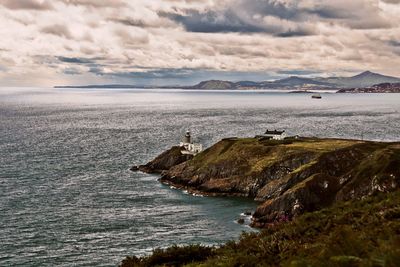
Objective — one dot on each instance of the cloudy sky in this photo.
(153, 42)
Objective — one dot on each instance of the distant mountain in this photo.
(365, 79)
(362, 80)
(247, 84)
(213, 84)
(290, 82)
(102, 86)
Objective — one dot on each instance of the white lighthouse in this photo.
(190, 147)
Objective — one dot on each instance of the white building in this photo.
(190, 147)
(275, 135)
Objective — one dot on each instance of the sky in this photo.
(169, 42)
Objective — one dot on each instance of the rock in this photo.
(134, 168)
(240, 221)
(247, 213)
(165, 161)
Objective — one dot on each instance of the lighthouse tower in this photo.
(187, 139)
(189, 146)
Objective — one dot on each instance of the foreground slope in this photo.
(354, 233)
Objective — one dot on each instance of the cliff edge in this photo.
(288, 177)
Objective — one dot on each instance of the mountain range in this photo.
(364, 79)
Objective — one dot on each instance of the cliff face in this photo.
(164, 161)
(288, 177)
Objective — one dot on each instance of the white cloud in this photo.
(105, 40)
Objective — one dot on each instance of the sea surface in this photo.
(67, 197)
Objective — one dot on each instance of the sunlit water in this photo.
(67, 197)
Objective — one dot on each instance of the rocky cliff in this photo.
(288, 177)
(164, 161)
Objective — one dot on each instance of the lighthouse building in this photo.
(188, 145)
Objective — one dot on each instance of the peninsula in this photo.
(322, 202)
(288, 177)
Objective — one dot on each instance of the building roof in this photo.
(274, 132)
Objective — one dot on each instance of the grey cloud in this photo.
(289, 18)
(211, 22)
(391, 1)
(72, 71)
(241, 51)
(298, 72)
(303, 32)
(95, 3)
(246, 17)
(58, 30)
(166, 73)
(142, 23)
(130, 22)
(26, 4)
(87, 50)
(75, 60)
(358, 14)
(98, 70)
(132, 39)
(395, 43)
(45, 60)
(229, 21)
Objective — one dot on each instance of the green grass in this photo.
(356, 233)
(260, 154)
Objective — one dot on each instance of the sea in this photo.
(67, 197)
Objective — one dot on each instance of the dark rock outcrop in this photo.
(134, 168)
(165, 161)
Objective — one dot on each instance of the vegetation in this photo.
(172, 256)
(291, 176)
(355, 233)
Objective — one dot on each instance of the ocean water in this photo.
(68, 199)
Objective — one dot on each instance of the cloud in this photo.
(391, 1)
(74, 60)
(72, 71)
(282, 18)
(395, 43)
(270, 19)
(26, 4)
(356, 14)
(136, 38)
(212, 22)
(95, 3)
(58, 30)
(298, 72)
(131, 22)
(170, 41)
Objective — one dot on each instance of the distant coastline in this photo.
(366, 82)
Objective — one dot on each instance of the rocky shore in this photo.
(287, 177)
(378, 88)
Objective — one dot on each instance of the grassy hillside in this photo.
(354, 233)
(290, 177)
